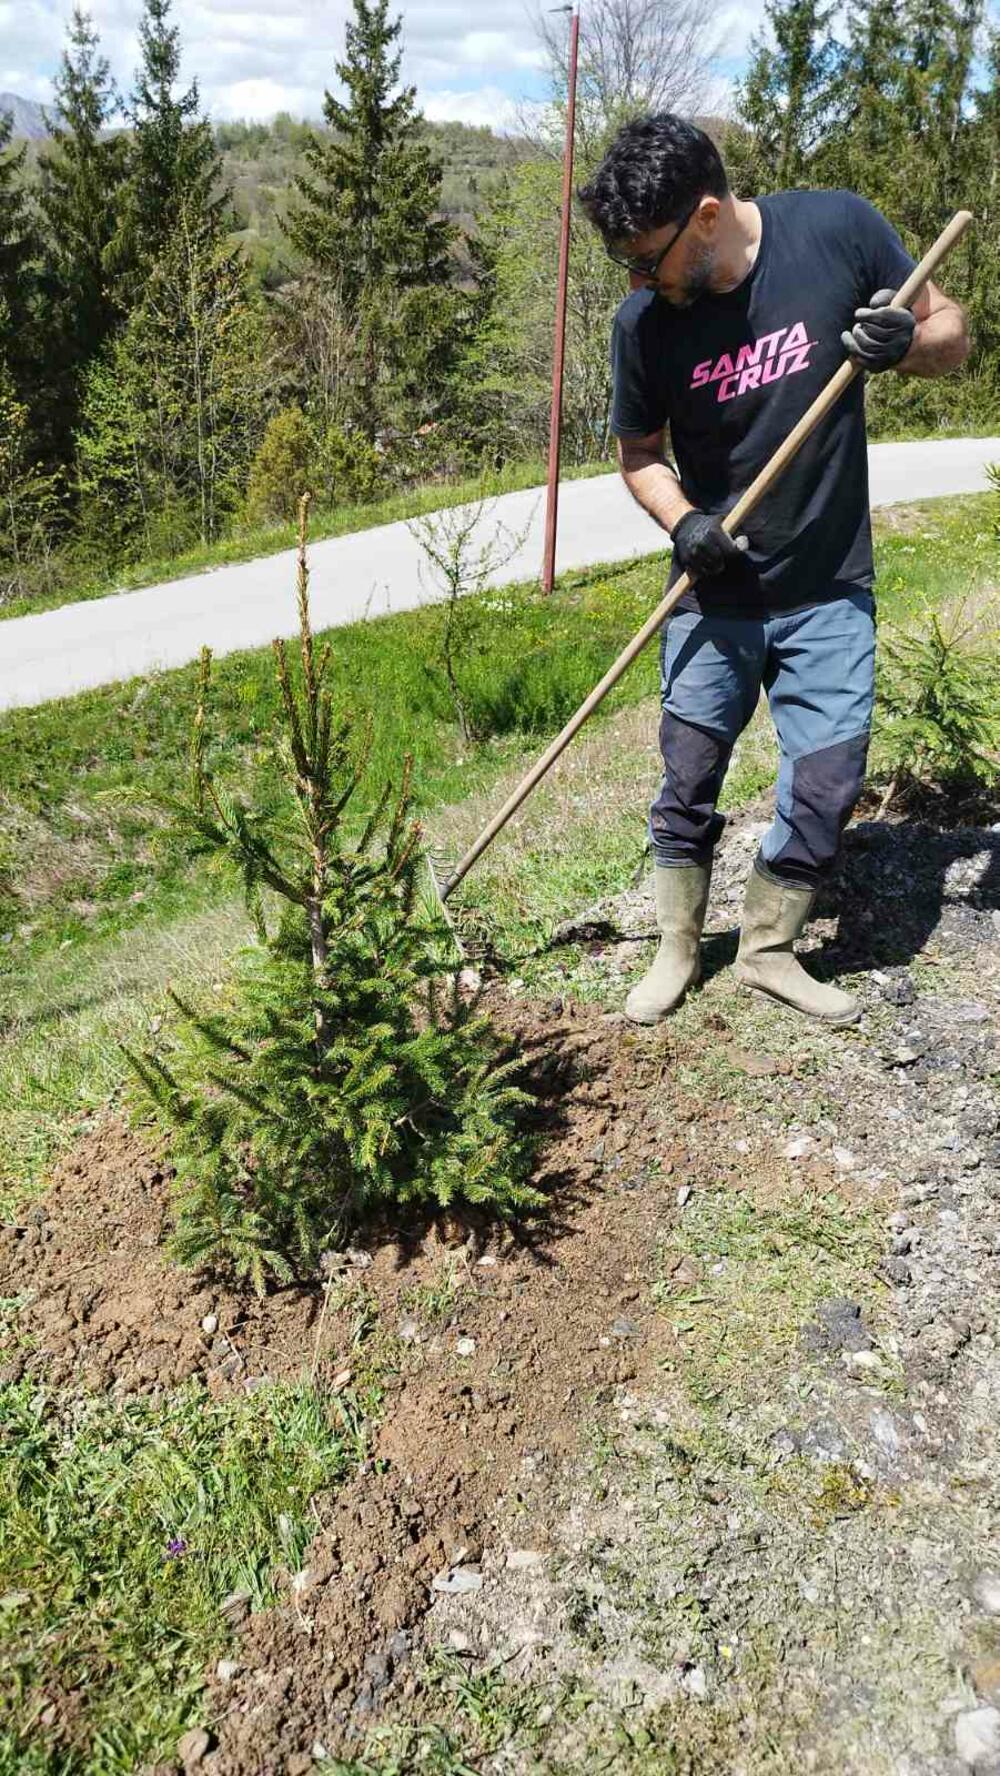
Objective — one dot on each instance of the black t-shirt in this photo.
(733, 373)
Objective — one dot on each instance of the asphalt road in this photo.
(129, 633)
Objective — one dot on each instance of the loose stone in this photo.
(977, 1737)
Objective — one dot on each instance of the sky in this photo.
(477, 61)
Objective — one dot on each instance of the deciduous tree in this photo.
(174, 414)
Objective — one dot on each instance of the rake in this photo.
(446, 883)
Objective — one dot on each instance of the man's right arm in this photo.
(645, 473)
(701, 546)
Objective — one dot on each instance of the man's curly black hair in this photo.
(655, 169)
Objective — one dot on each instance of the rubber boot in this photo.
(774, 915)
(681, 900)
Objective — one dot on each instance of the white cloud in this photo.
(498, 49)
(263, 98)
(481, 106)
(481, 63)
(268, 57)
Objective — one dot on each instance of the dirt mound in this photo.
(102, 1305)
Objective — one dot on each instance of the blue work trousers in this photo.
(817, 666)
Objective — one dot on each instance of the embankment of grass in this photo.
(250, 542)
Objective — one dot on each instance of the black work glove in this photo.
(702, 547)
(881, 335)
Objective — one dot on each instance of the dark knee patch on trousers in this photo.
(683, 821)
(825, 790)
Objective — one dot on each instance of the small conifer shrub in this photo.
(938, 703)
(339, 1069)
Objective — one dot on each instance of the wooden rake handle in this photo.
(839, 381)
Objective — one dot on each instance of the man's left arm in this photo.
(929, 339)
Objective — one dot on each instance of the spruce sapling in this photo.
(341, 1069)
(938, 704)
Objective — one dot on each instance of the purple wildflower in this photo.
(176, 1547)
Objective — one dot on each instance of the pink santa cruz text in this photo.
(770, 357)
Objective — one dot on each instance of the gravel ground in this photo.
(786, 1552)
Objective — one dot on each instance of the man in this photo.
(739, 314)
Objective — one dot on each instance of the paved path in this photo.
(244, 605)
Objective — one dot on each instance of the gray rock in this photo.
(977, 1738)
(192, 1747)
(969, 1011)
(898, 1271)
(986, 1592)
(457, 1582)
(236, 1607)
(838, 1327)
(695, 1683)
(885, 1431)
(785, 1444)
(624, 1328)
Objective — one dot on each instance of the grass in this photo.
(123, 1529)
(250, 542)
(60, 1054)
(84, 849)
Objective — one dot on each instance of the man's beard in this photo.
(697, 278)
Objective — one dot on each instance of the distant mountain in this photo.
(28, 117)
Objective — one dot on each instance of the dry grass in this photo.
(60, 1055)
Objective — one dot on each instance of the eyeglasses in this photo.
(648, 267)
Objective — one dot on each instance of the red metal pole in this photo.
(559, 353)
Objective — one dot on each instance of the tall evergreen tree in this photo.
(867, 138)
(784, 101)
(18, 284)
(81, 171)
(901, 123)
(367, 217)
(173, 161)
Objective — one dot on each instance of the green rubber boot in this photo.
(681, 900)
(774, 915)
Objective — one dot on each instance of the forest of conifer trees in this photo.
(186, 341)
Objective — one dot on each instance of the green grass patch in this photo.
(251, 542)
(122, 1530)
(60, 1044)
(83, 849)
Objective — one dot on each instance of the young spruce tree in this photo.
(341, 1069)
(367, 218)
